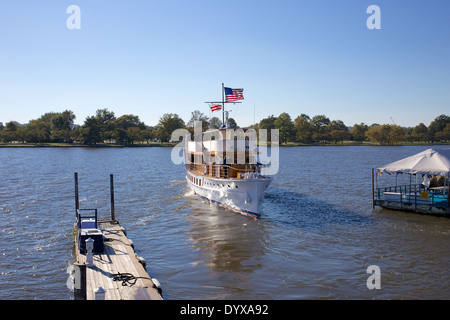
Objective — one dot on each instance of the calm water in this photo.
(317, 235)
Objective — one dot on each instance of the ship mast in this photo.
(223, 104)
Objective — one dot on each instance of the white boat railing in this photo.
(225, 171)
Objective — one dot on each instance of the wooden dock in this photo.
(117, 270)
(112, 268)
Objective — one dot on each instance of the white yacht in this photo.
(223, 168)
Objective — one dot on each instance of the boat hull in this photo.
(240, 195)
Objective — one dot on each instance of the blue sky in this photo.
(153, 57)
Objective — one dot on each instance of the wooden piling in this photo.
(77, 199)
(111, 183)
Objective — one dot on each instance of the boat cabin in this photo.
(224, 153)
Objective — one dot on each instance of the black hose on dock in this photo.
(127, 278)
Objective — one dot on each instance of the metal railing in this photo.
(416, 194)
(225, 171)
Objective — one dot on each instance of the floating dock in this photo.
(107, 266)
(427, 190)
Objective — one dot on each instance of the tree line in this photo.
(320, 129)
(105, 127)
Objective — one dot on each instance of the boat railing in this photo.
(225, 171)
(416, 194)
(402, 188)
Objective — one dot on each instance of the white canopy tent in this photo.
(428, 196)
(431, 162)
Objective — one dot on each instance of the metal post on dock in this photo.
(77, 200)
(111, 182)
(448, 192)
(373, 192)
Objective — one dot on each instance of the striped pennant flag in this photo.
(215, 107)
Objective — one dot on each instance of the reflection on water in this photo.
(315, 239)
(227, 243)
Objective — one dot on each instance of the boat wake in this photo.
(177, 181)
(190, 194)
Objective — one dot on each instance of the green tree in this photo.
(21, 133)
(339, 135)
(438, 125)
(444, 135)
(396, 134)
(319, 125)
(168, 123)
(127, 121)
(420, 132)
(268, 124)
(39, 130)
(127, 128)
(2, 127)
(148, 134)
(337, 125)
(303, 129)
(62, 125)
(134, 134)
(385, 134)
(338, 131)
(10, 131)
(378, 133)
(358, 132)
(50, 127)
(285, 126)
(215, 123)
(106, 122)
(196, 115)
(47, 128)
(76, 134)
(91, 132)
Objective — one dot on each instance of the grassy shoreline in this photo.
(78, 145)
(172, 144)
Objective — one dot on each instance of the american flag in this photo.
(233, 94)
(215, 107)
